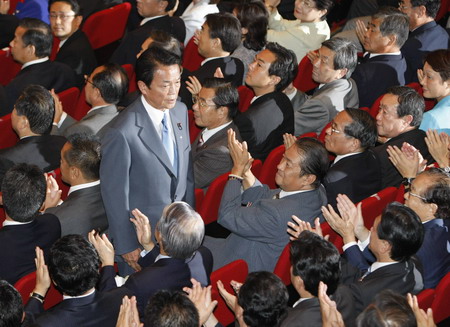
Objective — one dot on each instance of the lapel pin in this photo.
(180, 127)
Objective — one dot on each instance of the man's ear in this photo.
(310, 178)
(274, 80)
(407, 119)
(385, 247)
(343, 72)
(142, 87)
(77, 20)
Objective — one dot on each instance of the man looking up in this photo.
(146, 152)
(270, 114)
(214, 108)
(31, 47)
(74, 48)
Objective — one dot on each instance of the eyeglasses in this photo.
(61, 16)
(86, 80)
(333, 131)
(417, 196)
(201, 102)
(306, 3)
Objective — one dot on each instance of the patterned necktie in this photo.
(167, 140)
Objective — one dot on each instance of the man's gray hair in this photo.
(181, 230)
(345, 54)
(394, 23)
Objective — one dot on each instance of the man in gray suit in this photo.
(105, 87)
(214, 108)
(146, 153)
(258, 229)
(333, 65)
(83, 209)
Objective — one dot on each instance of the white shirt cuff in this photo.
(61, 121)
(350, 244)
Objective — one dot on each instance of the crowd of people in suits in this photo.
(126, 245)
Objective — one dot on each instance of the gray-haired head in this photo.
(345, 54)
(394, 22)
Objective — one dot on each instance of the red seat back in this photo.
(303, 81)
(441, 302)
(82, 106)
(199, 196)
(269, 168)
(8, 136)
(25, 286)
(132, 86)
(246, 95)
(429, 103)
(375, 107)
(257, 167)
(193, 128)
(69, 100)
(334, 238)
(283, 266)
(191, 58)
(8, 67)
(211, 202)
(107, 26)
(374, 205)
(425, 298)
(236, 270)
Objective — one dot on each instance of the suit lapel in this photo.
(178, 131)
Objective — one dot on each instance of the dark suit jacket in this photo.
(98, 309)
(307, 312)
(389, 174)
(374, 76)
(212, 159)
(81, 212)
(49, 74)
(232, 69)
(135, 164)
(131, 43)
(357, 176)
(43, 151)
(18, 243)
(8, 24)
(265, 122)
(434, 254)
(77, 53)
(421, 41)
(200, 264)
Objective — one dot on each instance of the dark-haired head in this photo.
(363, 127)
(38, 34)
(314, 159)
(439, 61)
(409, 103)
(112, 82)
(226, 28)
(285, 65)
(226, 95)
(254, 19)
(83, 152)
(393, 22)
(11, 307)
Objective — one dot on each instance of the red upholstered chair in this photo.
(335, 238)
(400, 197)
(12, 6)
(429, 103)
(82, 106)
(269, 168)
(441, 302)
(324, 132)
(425, 298)
(199, 196)
(283, 266)
(246, 95)
(8, 67)
(209, 209)
(374, 204)
(193, 128)
(443, 10)
(62, 186)
(303, 81)
(2, 216)
(25, 286)
(257, 167)
(69, 100)
(310, 134)
(236, 270)
(191, 58)
(8, 136)
(132, 86)
(107, 26)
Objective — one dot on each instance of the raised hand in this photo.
(439, 147)
(331, 317)
(128, 314)
(143, 229)
(42, 276)
(343, 227)
(103, 246)
(201, 297)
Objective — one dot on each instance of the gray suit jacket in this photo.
(81, 212)
(319, 109)
(212, 159)
(136, 171)
(89, 124)
(258, 230)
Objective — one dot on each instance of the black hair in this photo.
(315, 259)
(264, 298)
(84, 154)
(38, 34)
(394, 22)
(171, 309)
(324, 5)
(314, 158)
(226, 95)
(409, 103)
(166, 41)
(227, 28)
(112, 82)
(439, 60)
(285, 65)
(254, 17)
(74, 6)
(431, 6)
(24, 188)
(363, 127)
(11, 307)
(438, 191)
(345, 54)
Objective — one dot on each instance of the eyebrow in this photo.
(259, 59)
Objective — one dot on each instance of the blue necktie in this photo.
(167, 140)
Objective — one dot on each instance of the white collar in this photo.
(285, 193)
(342, 156)
(255, 97)
(33, 62)
(68, 297)
(377, 265)
(97, 107)
(145, 20)
(209, 59)
(61, 43)
(162, 256)
(15, 223)
(371, 55)
(301, 300)
(156, 116)
(207, 133)
(82, 186)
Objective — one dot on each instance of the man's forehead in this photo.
(266, 56)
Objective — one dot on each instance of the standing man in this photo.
(145, 153)
(74, 48)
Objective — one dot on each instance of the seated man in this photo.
(83, 209)
(23, 190)
(215, 106)
(332, 67)
(74, 47)
(73, 267)
(168, 266)
(31, 47)
(398, 121)
(395, 236)
(156, 17)
(355, 171)
(258, 230)
(32, 119)
(219, 37)
(105, 87)
(315, 260)
(11, 307)
(384, 65)
(270, 114)
(425, 34)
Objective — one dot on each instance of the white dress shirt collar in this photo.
(33, 62)
(82, 186)
(208, 133)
